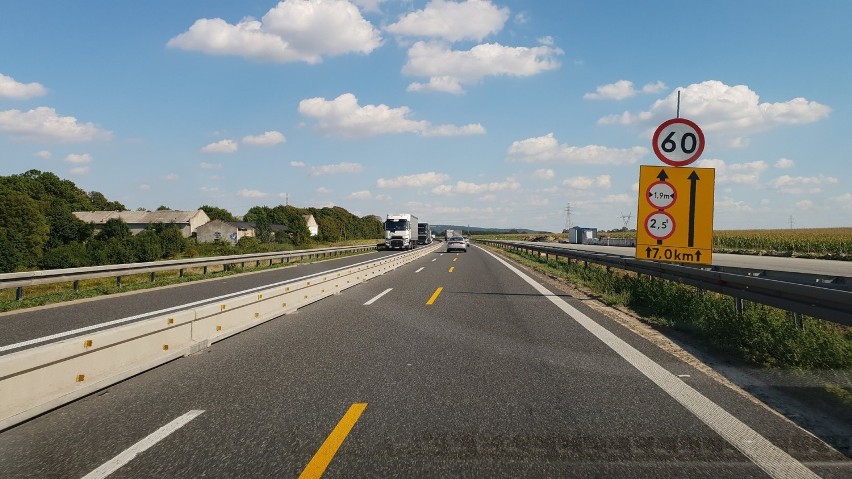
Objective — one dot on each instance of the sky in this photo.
(503, 113)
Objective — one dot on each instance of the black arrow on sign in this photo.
(698, 256)
(693, 178)
(662, 176)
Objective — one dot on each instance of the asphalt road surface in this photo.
(453, 365)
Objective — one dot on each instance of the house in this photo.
(138, 221)
(221, 231)
(313, 226)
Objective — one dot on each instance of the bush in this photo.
(71, 255)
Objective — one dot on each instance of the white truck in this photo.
(450, 233)
(401, 231)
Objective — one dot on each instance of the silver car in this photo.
(456, 243)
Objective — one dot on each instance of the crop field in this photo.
(829, 243)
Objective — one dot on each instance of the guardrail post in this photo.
(19, 293)
(205, 270)
(76, 285)
(180, 273)
(153, 275)
(118, 281)
(738, 304)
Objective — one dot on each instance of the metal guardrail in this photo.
(49, 276)
(824, 299)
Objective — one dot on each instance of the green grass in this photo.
(61, 292)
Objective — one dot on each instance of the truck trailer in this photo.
(401, 231)
(424, 233)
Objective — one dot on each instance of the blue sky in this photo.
(488, 113)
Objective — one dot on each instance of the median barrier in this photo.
(36, 380)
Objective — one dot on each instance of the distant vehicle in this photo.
(450, 233)
(466, 241)
(424, 233)
(401, 231)
(456, 243)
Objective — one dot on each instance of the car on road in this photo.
(456, 243)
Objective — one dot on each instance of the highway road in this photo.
(452, 365)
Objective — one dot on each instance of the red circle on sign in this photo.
(660, 205)
(680, 123)
(654, 235)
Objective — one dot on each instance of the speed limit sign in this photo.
(678, 142)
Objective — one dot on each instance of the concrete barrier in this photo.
(39, 379)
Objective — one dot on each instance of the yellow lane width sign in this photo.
(675, 218)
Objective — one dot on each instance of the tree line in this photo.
(38, 229)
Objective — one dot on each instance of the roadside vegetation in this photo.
(764, 337)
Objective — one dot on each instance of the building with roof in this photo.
(224, 231)
(138, 221)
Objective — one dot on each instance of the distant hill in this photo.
(477, 230)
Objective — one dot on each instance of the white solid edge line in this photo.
(758, 449)
(421, 269)
(375, 298)
(115, 463)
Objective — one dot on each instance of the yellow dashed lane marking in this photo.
(434, 295)
(452, 268)
(329, 448)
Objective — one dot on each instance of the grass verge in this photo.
(61, 292)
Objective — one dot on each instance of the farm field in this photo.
(826, 243)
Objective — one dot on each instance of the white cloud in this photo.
(622, 89)
(547, 148)
(801, 184)
(144, 187)
(323, 190)
(784, 163)
(209, 189)
(223, 146)
(728, 204)
(420, 179)
(618, 199)
(805, 205)
(78, 159)
(585, 182)
(297, 164)
(737, 173)
(360, 195)
(466, 188)
(452, 21)
(171, 177)
(449, 69)
(544, 174)
(844, 201)
(80, 170)
(43, 123)
(336, 169)
(210, 166)
(453, 130)
(293, 30)
(246, 193)
(10, 88)
(43, 154)
(344, 117)
(729, 111)
(268, 138)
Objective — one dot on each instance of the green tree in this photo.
(24, 227)
(114, 228)
(163, 208)
(101, 203)
(215, 213)
(71, 255)
(173, 241)
(148, 246)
